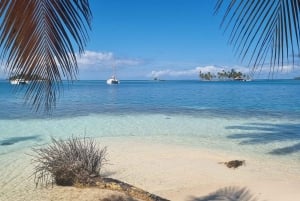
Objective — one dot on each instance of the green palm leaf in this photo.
(263, 32)
(36, 39)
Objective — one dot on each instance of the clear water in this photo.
(278, 98)
(260, 119)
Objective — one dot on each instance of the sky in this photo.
(168, 39)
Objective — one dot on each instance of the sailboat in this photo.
(113, 79)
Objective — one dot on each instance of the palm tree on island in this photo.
(223, 75)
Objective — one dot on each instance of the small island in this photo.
(224, 76)
(18, 79)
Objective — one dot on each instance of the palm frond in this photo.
(263, 32)
(37, 38)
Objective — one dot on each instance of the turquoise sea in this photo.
(258, 119)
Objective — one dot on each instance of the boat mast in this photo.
(114, 69)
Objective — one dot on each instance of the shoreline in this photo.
(172, 171)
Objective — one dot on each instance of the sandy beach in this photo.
(172, 171)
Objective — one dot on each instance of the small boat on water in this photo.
(113, 80)
(242, 79)
(19, 81)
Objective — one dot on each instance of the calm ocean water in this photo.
(274, 98)
(260, 119)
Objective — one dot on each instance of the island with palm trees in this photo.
(24, 79)
(224, 76)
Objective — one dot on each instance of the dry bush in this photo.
(68, 162)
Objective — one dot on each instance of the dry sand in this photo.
(171, 171)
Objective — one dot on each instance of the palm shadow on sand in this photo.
(230, 193)
(265, 133)
(118, 198)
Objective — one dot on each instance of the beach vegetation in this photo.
(68, 162)
(79, 162)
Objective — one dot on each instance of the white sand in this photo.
(173, 172)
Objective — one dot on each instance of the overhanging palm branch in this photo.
(36, 39)
(263, 31)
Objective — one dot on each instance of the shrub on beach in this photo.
(68, 162)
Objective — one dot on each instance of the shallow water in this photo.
(259, 119)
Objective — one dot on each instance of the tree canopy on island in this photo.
(223, 75)
(33, 77)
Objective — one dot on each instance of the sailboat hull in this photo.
(112, 81)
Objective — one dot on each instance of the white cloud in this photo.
(173, 73)
(286, 69)
(193, 72)
(91, 60)
(278, 72)
(128, 62)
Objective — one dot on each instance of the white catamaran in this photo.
(113, 79)
(18, 81)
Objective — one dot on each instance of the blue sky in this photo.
(165, 38)
(170, 39)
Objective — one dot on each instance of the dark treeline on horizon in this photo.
(223, 75)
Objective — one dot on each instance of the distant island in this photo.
(19, 79)
(157, 79)
(224, 76)
(26, 77)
